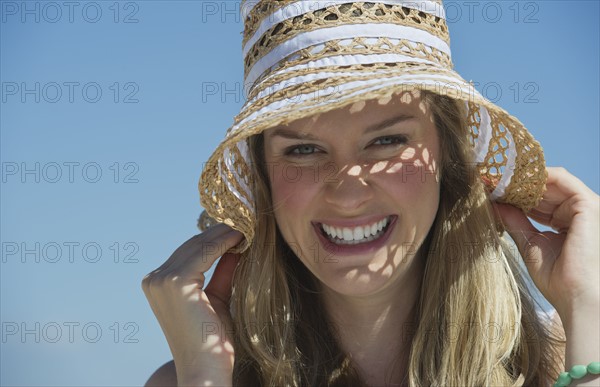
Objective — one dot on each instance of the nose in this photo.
(349, 189)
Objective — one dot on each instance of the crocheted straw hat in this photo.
(306, 57)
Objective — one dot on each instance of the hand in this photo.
(196, 322)
(565, 264)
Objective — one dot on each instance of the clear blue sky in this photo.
(99, 174)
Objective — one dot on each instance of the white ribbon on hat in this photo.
(339, 60)
(230, 167)
(301, 7)
(485, 134)
(482, 147)
(509, 168)
(320, 36)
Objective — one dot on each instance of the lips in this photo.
(350, 246)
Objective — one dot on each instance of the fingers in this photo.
(192, 259)
(203, 254)
(563, 190)
(198, 244)
(539, 250)
(222, 278)
(560, 186)
(559, 219)
(186, 267)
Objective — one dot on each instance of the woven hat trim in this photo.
(252, 16)
(321, 36)
(363, 66)
(501, 156)
(369, 46)
(237, 182)
(305, 16)
(291, 81)
(266, 57)
(354, 51)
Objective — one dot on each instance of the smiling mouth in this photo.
(357, 235)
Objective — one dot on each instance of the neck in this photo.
(375, 330)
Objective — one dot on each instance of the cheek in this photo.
(293, 189)
(412, 186)
(415, 183)
(416, 175)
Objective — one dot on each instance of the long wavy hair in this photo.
(475, 321)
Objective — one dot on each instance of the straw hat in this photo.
(306, 57)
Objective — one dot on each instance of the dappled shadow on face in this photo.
(403, 182)
(411, 176)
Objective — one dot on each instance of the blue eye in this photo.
(391, 140)
(302, 149)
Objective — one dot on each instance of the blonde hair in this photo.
(475, 320)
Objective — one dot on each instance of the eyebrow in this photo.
(389, 122)
(294, 135)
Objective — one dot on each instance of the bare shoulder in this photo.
(164, 376)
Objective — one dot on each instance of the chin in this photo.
(356, 282)
(357, 289)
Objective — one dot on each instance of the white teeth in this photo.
(357, 234)
(374, 229)
(348, 235)
(367, 231)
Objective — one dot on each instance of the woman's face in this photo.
(355, 190)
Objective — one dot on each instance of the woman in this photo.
(369, 251)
